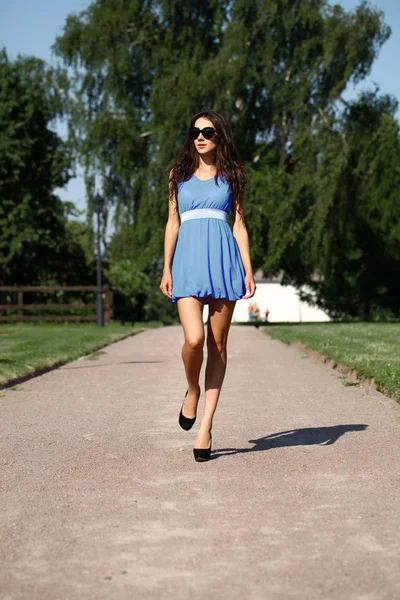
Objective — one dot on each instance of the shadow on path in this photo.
(321, 436)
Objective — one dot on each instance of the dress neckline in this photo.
(209, 179)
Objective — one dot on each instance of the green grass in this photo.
(371, 349)
(31, 348)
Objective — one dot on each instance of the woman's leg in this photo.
(219, 321)
(191, 316)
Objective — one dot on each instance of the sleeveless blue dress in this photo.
(207, 260)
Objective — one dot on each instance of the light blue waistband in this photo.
(204, 213)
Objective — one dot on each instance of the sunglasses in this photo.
(207, 132)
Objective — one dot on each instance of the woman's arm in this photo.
(171, 235)
(241, 236)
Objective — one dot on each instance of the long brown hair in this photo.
(226, 164)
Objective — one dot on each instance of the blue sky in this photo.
(31, 26)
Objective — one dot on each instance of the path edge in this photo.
(42, 370)
(351, 374)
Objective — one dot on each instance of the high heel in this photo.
(202, 454)
(185, 422)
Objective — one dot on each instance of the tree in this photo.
(359, 251)
(33, 162)
(275, 68)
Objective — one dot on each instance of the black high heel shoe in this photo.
(202, 454)
(185, 422)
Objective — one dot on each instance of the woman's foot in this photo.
(202, 447)
(189, 408)
(185, 421)
(203, 437)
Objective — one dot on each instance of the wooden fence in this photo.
(20, 307)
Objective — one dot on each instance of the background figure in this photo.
(250, 308)
(256, 312)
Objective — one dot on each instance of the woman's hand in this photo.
(166, 284)
(250, 286)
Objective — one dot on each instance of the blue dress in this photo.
(206, 261)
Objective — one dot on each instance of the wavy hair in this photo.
(226, 164)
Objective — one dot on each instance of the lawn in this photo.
(31, 348)
(371, 349)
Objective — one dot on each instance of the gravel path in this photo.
(101, 498)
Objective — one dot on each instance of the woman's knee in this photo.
(217, 344)
(194, 342)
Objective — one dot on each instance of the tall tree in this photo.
(275, 68)
(33, 162)
(358, 254)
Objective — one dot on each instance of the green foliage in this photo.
(358, 251)
(141, 291)
(37, 245)
(276, 69)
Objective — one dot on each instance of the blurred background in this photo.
(95, 100)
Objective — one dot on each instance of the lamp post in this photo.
(98, 208)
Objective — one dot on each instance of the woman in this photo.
(203, 262)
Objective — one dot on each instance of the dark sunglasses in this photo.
(207, 132)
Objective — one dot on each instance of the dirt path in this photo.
(101, 498)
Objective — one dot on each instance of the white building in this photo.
(282, 302)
